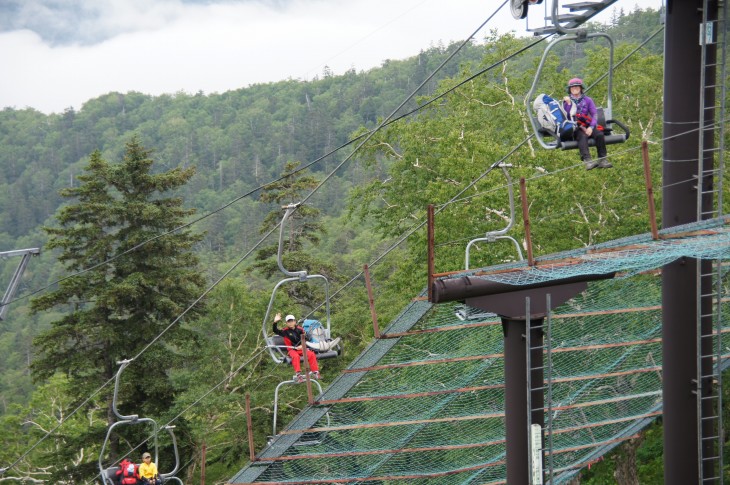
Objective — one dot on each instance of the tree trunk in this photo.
(626, 473)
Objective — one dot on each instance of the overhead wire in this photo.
(417, 226)
(403, 103)
(355, 150)
(368, 134)
(441, 207)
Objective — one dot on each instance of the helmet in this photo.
(576, 81)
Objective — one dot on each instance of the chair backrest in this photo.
(276, 343)
(110, 475)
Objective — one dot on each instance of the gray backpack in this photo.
(551, 117)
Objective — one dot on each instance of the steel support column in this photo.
(682, 104)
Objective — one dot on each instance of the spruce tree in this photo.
(129, 282)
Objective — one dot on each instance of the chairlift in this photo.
(302, 442)
(108, 474)
(604, 115)
(493, 236)
(274, 343)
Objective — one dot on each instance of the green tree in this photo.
(122, 296)
(49, 407)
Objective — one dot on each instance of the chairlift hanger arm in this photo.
(290, 209)
(500, 234)
(15, 280)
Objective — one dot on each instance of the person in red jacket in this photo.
(128, 473)
(292, 335)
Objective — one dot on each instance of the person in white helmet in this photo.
(581, 109)
(292, 335)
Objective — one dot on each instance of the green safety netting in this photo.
(425, 404)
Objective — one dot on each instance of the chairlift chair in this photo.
(108, 474)
(500, 234)
(274, 343)
(605, 115)
(276, 407)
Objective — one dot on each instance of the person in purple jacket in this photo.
(581, 109)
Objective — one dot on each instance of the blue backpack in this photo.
(550, 116)
(315, 331)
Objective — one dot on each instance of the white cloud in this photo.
(165, 46)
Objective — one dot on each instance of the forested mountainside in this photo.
(238, 141)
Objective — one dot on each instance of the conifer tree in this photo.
(128, 283)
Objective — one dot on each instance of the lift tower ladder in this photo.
(710, 274)
(15, 280)
(542, 369)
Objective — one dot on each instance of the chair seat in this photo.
(610, 140)
(278, 343)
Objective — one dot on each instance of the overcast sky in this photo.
(57, 54)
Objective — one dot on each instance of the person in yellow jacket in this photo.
(148, 471)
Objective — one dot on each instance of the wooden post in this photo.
(310, 396)
(649, 190)
(249, 427)
(526, 218)
(371, 301)
(431, 270)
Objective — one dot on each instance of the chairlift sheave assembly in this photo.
(580, 11)
(518, 8)
(325, 347)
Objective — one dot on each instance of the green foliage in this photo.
(50, 406)
(121, 296)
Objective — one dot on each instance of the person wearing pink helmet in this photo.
(581, 109)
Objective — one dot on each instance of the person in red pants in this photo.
(292, 335)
